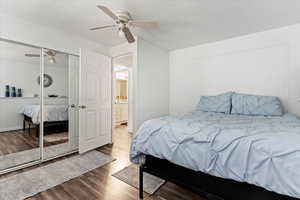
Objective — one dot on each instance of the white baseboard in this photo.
(10, 129)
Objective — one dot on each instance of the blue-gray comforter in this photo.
(263, 151)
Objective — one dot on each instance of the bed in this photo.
(223, 156)
(55, 118)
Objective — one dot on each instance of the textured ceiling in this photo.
(182, 23)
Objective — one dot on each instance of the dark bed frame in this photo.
(210, 187)
(49, 127)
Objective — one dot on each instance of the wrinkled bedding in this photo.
(52, 112)
(263, 151)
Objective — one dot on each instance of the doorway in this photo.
(122, 92)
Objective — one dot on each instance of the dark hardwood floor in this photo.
(16, 141)
(99, 184)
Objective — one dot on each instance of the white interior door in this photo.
(94, 100)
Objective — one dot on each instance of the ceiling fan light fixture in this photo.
(121, 33)
(124, 22)
(52, 60)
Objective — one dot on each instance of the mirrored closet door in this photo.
(60, 134)
(38, 104)
(19, 104)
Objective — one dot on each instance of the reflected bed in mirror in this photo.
(55, 122)
(55, 129)
(20, 104)
(55, 118)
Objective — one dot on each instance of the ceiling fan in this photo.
(50, 53)
(123, 21)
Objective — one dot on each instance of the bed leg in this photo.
(24, 125)
(37, 134)
(141, 182)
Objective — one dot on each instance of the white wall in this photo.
(17, 29)
(151, 82)
(265, 63)
(24, 75)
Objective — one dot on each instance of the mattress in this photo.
(264, 151)
(52, 112)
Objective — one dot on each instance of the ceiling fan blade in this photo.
(108, 12)
(32, 55)
(128, 34)
(143, 24)
(102, 27)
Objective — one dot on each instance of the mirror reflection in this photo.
(19, 104)
(56, 97)
(60, 93)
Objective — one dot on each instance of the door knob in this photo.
(73, 106)
(82, 107)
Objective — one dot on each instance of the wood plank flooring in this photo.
(99, 184)
(16, 141)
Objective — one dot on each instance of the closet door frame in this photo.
(41, 136)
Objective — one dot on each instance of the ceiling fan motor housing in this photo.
(123, 21)
(124, 17)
